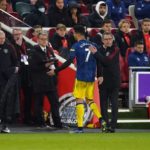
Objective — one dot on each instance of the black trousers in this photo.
(38, 107)
(27, 91)
(109, 95)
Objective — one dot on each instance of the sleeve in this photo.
(13, 58)
(68, 62)
(107, 60)
(131, 60)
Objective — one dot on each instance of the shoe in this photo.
(77, 131)
(111, 130)
(103, 125)
(5, 130)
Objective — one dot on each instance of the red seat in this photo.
(128, 17)
(93, 32)
(51, 32)
(84, 8)
(29, 33)
(15, 14)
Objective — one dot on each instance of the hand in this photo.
(100, 80)
(19, 41)
(51, 72)
(16, 69)
(47, 65)
(93, 49)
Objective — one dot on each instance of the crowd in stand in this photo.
(101, 16)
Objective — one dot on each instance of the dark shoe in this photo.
(111, 130)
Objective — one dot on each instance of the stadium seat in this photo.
(51, 32)
(23, 8)
(93, 32)
(29, 33)
(113, 31)
(131, 13)
(15, 14)
(84, 8)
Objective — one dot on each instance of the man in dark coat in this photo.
(42, 83)
(109, 79)
(8, 79)
(23, 51)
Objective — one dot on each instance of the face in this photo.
(125, 27)
(37, 31)
(60, 4)
(107, 27)
(61, 32)
(43, 40)
(74, 10)
(33, 2)
(17, 34)
(102, 10)
(139, 48)
(3, 5)
(107, 40)
(146, 27)
(2, 38)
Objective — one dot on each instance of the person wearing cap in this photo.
(60, 41)
(85, 76)
(99, 15)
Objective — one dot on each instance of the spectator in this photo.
(138, 57)
(36, 30)
(60, 41)
(109, 79)
(8, 83)
(58, 14)
(75, 16)
(3, 5)
(116, 9)
(144, 34)
(42, 83)
(142, 9)
(106, 27)
(23, 51)
(99, 15)
(38, 12)
(123, 37)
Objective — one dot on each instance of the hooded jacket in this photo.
(96, 19)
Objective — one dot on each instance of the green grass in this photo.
(65, 141)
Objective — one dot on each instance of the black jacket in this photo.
(110, 70)
(8, 62)
(56, 16)
(95, 20)
(41, 82)
(9, 99)
(24, 71)
(121, 42)
(139, 36)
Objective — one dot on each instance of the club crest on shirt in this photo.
(107, 54)
(5, 51)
